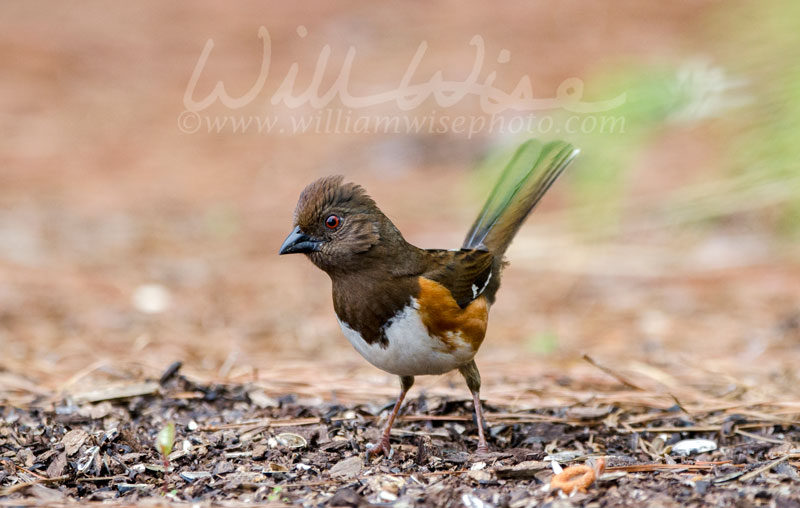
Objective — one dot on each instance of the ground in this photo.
(243, 443)
(128, 244)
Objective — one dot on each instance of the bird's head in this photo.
(337, 225)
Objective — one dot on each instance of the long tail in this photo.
(531, 171)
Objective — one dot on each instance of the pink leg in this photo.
(473, 378)
(383, 446)
(482, 447)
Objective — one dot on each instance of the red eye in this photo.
(332, 221)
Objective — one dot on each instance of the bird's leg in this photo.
(382, 446)
(473, 378)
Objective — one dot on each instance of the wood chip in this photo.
(73, 440)
(118, 392)
(56, 467)
(521, 471)
(346, 468)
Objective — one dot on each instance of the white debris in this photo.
(387, 496)
(151, 298)
(290, 440)
(693, 446)
(471, 501)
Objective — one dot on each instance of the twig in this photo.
(265, 422)
(344, 480)
(680, 406)
(100, 479)
(32, 473)
(763, 469)
(20, 486)
(759, 437)
(648, 468)
(613, 374)
(494, 418)
(696, 428)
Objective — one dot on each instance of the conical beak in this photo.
(299, 243)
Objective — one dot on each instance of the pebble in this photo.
(693, 446)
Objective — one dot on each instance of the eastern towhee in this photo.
(412, 311)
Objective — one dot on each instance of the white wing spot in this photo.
(476, 291)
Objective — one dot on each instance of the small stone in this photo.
(693, 446)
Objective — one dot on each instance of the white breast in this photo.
(411, 351)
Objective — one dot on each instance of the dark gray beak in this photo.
(299, 243)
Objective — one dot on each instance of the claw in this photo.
(381, 447)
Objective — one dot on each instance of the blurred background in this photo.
(141, 214)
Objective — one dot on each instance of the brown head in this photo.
(339, 227)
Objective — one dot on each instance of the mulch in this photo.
(240, 444)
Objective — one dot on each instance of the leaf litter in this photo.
(235, 444)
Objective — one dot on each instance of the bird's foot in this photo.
(482, 449)
(381, 447)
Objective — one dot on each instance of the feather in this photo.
(524, 181)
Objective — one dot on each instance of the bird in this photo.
(412, 311)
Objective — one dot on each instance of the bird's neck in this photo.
(391, 255)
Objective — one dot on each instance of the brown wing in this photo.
(465, 273)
